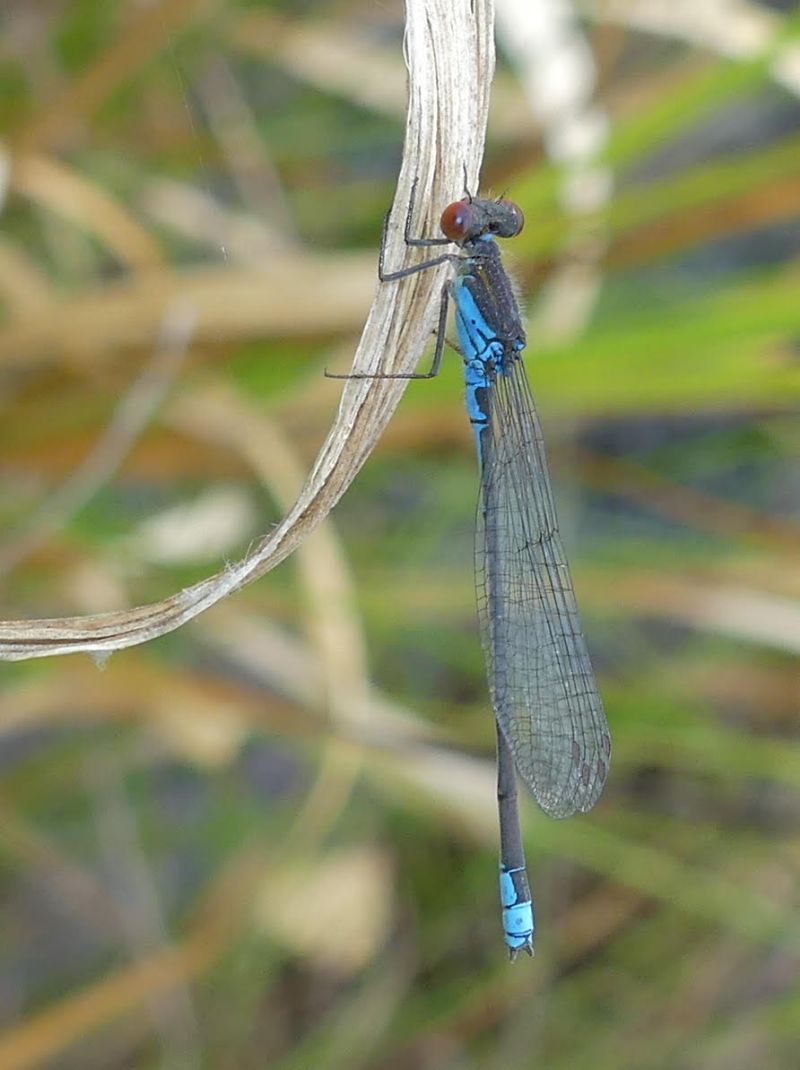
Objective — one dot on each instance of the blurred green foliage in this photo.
(203, 863)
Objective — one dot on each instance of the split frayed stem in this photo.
(449, 52)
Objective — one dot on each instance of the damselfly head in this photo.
(474, 217)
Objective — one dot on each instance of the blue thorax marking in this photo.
(488, 325)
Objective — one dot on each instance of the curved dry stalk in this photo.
(450, 57)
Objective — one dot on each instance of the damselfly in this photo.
(551, 725)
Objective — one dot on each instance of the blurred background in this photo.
(268, 839)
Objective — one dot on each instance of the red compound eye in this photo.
(456, 220)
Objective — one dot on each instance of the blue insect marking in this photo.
(484, 354)
(551, 727)
(518, 919)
